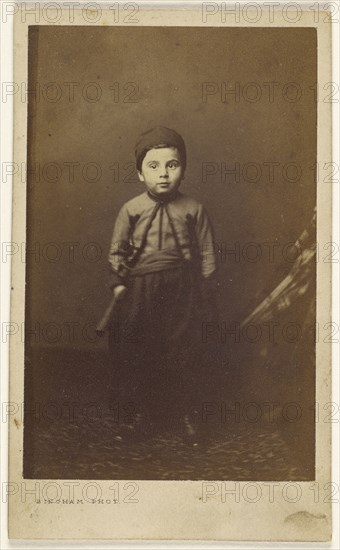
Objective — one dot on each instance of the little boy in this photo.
(161, 272)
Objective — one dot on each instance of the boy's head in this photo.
(161, 160)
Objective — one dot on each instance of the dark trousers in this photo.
(155, 343)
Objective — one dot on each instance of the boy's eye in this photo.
(153, 166)
(173, 165)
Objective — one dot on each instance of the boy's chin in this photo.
(166, 190)
(163, 191)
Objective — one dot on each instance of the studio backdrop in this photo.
(244, 101)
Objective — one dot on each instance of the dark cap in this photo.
(159, 137)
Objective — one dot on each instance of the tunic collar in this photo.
(163, 199)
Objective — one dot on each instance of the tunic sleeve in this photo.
(119, 248)
(205, 239)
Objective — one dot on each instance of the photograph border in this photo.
(179, 506)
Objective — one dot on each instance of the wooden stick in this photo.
(103, 324)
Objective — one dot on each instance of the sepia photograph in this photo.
(171, 205)
(171, 276)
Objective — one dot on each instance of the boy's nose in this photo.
(164, 173)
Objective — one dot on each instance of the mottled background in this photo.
(143, 77)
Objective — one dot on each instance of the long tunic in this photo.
(162, 251)
(159, 235)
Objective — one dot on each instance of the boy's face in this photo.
(161, 170)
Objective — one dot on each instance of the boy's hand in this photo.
(119, 291)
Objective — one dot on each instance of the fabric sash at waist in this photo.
(158, 261)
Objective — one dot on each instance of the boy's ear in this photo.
(140, 176)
